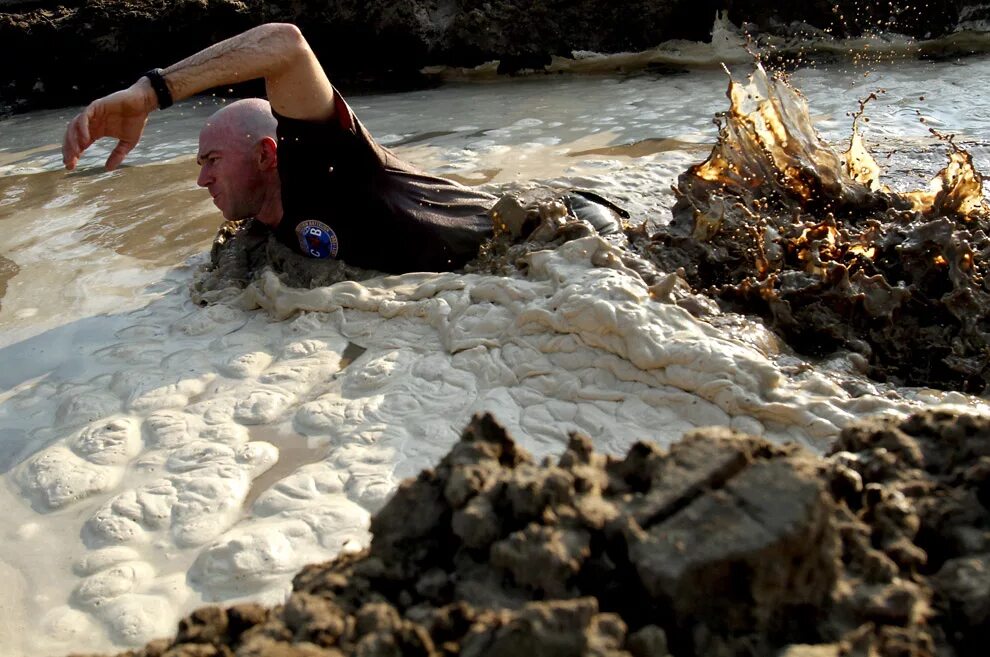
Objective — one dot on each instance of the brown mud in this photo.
(242, 250)
(724, 545)
(778, 223)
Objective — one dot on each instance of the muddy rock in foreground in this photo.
(724, 545)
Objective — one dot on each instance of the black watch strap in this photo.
(157, 78)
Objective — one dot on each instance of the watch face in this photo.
(317, 240)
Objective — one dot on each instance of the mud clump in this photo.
(537, 217)
(243, 249)
(724, 545)
(777, 223)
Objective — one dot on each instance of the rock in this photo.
(805, 650)
(70, 52)
(560, 627)
(964, 584)
(758, 528)
(206, 625)
(544, 559)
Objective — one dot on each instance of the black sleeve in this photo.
(311, 152)
(323, 167)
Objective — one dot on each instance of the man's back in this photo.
(346, 196)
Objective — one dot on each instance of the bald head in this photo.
(239, 163)
(243, 123)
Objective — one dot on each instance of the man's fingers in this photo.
(77, 138)
(117, 155)
(86, 116)
(106, 117)
(70, 145)
(83, 140)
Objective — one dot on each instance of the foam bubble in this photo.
(56, 478)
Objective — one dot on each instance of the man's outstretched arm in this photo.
(296, 84)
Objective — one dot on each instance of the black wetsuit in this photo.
(344, 196)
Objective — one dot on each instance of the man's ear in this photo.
(267, 153)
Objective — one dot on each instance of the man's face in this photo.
(229, 170)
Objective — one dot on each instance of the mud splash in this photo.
(779, 223)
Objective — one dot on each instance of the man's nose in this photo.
(203, 180)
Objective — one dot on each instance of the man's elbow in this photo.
(285, 39)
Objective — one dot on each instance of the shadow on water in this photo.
(8, 269)
(38, 373)
(54, 383)
(294, 450)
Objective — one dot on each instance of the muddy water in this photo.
(76, 246)
(79, 245)
(90, 259)
(83, 243)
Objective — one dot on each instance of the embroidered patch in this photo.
(317, 239)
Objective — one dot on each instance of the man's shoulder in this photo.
(342, 121)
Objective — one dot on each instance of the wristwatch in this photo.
(157, 78)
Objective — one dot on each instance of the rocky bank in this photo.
(724, 545)
(67, 52)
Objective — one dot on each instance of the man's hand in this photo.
(297, 88)
(121, 115)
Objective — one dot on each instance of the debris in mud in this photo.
(778, 223)
(540, 217)
(724, 545)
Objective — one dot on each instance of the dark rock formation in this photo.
(725, 545)
(61, 53)
(70, 51)
(923, 19)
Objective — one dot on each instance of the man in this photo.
(300, 163)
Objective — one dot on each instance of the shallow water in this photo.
(157, 455)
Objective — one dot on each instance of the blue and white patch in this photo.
(317, 240)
